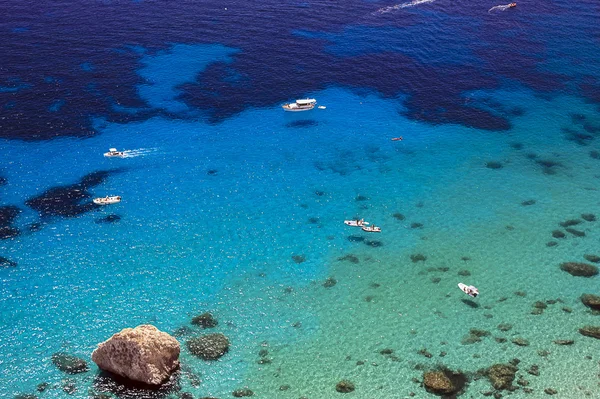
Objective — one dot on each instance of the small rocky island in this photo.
(143, 354)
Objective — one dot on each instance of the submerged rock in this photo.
(330, 282)
(590, 331)
(399, 216)
(579, 269)
(570, 222)
(209, 347)
(299, 258)
(240, 393)
(142, 354)
(69, 364)
(564, 342)
(558, 234)
(345, 386)
(588, 217)
(501, 375)
(444, 382)
(592, 258)
(493, 165)
(418, 258)
(205, 320)
(575, 232)
(591, 301)
(520, 341)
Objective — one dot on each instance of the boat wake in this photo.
(403, 5)
(138, 152)
(499, 8)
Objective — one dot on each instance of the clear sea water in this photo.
(233, 206)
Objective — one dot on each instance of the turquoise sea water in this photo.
(244, 218)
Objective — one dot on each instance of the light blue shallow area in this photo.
(212, 215)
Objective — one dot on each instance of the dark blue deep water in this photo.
(232, 206)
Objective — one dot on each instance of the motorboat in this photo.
(300, 105)
(512, 5)
(112, 152)
(469, 290)
(371, 229)
(108, 200)
(356, 223)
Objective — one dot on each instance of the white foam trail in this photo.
(138, 152)
(403, 5)
(499, 8)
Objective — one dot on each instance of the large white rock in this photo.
(142, 354)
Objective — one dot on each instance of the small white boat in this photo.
(356, 223)
(371, 229)
(108, 200)
(321, 107)
(469, 290)
(112, 152)
(300, 105)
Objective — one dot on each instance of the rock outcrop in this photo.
(142, 354)
(437, 382)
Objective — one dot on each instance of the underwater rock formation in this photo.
(69, 364)
(579, 269)
(205, 320)
(444, 382)
(8, 214)
(142, 354)
(209, 347)
(591, 301)
(5, 262)
(345, 386)
(501, 375)
(590, 331)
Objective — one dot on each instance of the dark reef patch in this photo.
(356, 238)
(299, 258)
(6, 263)
(398, 216)
(3, 181)
(302, 123)
(418, 258)
(588, 217)
(8, 214)
(123, 388)
(373, 243)
(69, 201)
(575, 232)
(528, 202)
(493, 165)
(113, 218)
(349, 258)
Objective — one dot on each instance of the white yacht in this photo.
(107, 200)
(112, 152)
(300, 105)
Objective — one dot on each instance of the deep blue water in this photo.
(233, 206)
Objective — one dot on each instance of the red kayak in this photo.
(397, 138)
